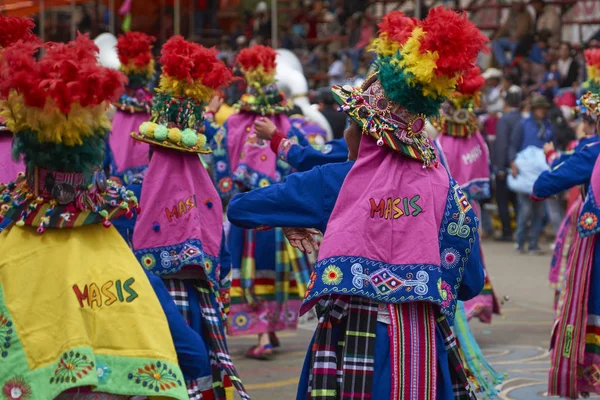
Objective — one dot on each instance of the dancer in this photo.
(379, 293)
(574, 336)
(126, 156)
(79, 317)
(179, 236)
(12, 29)
(464, 153)
(269, 276)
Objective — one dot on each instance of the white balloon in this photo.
(108, 57)
(288, 58)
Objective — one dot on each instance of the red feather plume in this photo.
(456, 40)
(13, 29)
(135, 48)
(592, 57)
(256, 56)
(188, 61)
(68, 73)
(471, 82)
(398, 26)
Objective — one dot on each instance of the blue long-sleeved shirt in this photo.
(530, 132)
(303, 158)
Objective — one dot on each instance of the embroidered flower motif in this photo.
(311, 283)
(208, 266)
(241, 320)
(450, 258)
(103, 372)
(148, 261)
(263, 157)
(17, 389)
(332, 275)
(221, 166)
(264, 182)
(72, 367)
(588, 221)
(225, 184)
(158, 377)
(6, 332)
(445, 292)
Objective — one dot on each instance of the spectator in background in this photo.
(307, 19)
(533, 131)
(366, 34)
(516, 28)
(567, 66)
(501, 158)
(337, 70)
(261, 26)
(492, 92)
(550, 81)
(337, 120)
(546, 19)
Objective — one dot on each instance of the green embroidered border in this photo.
(79, 367)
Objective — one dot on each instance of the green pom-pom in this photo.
(20, 223)
(144, 127)
(103, 213)
(161, 132)
(124, 205)
(189, 138)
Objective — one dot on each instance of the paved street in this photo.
(515, 342)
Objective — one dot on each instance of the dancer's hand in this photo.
(215, 103)
(264, 128)
(302, 239)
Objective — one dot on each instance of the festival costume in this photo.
(127, 156)
(12, 29)
(62, 260)
(301, 156)
(268, 275)
(381, 298)
(464, 153)
(315, 135)
(179, 237)
(574, 343)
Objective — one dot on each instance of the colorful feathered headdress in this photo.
(135, 55)
(457, 116)
(418, 67)
(259, 67)
(589, 103)
(190, 76)
(56, 107)
(13, 29)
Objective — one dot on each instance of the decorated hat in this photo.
(263, 96)
(56, 107)
(589, 103)
(190, 75)
(457, 117)
(137, 63)
(419, 64)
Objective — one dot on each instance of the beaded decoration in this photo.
(589, 104)
(55, 199)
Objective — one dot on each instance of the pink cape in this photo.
(8, 167)
(128, 153)
(467, 160)
(381, 174)
(180, 206)
(249, 152)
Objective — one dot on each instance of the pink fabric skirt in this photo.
(8, 168)
(266, 317)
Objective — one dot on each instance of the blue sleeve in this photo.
(191, 350)
(298, 202)
(473, 277)
(210, 130)
(576, 170)
(299, 135)
(306, 158)
(125, 225)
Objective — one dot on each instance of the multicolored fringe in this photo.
(569, 357)
(224, 373)
(414, 363)
(343, 365)
(485, 376)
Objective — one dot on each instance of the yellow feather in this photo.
(383, 46)
(593, 73)
(260, 76)
(146, 71)
(194, 89)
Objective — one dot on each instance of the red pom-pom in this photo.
(470, 82)
(185, 60)
(592, 57)
(397, 26)
(256, 56)
(456, 40)
(68, 73)
(13, 29)
(135, 48)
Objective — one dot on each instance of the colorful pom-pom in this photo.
(174, 135)
(106, 223)
(201, 140)
(40, 229)
(189, 138)
(20, 223)
(103, 213)
(161, 132)
(156, 227)
(129, 214)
